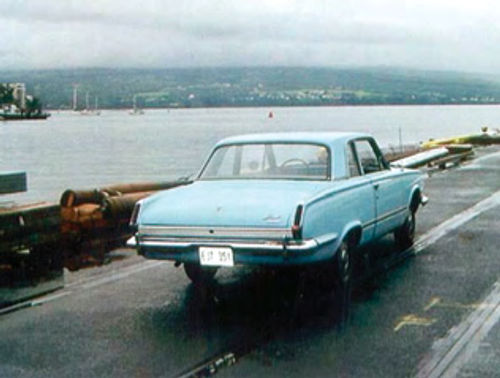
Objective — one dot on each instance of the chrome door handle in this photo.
(375, 186)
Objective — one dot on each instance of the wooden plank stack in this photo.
(29, 242)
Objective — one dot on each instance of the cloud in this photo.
(154, 33)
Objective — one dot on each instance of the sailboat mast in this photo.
(75, 96)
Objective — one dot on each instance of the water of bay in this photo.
(70, 150)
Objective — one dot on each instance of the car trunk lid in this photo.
(229, 203)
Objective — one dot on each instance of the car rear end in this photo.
(225, 245)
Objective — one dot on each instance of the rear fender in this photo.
(353, 232)
(415, 198)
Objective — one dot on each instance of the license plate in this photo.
(216, 256)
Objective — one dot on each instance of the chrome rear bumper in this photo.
(250, 245)
(303, 245)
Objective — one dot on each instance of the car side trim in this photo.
(385, 216)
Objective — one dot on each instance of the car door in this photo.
(387, 193)
(362, 197)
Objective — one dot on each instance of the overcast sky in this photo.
(428, 34)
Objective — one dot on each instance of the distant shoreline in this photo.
(270, 107)
(263, 87)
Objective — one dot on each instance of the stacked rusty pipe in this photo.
(93, 222)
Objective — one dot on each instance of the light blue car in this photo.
(281, 199)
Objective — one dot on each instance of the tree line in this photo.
(254, 86)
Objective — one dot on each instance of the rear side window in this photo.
(368, 157)
(352, 163)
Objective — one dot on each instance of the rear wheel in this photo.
(343, 280)
(336, 278)
(198, 274)
(405, 234)
(343, 264)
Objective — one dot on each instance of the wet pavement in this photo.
(432, 313)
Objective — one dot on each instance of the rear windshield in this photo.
(268, 161)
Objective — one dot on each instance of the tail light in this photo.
(135, 215)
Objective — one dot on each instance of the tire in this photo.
(342, 265)
(344, 269)
(199, 275)
(405, 235)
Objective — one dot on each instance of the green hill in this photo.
(257, 86)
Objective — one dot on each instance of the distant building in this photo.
(19, 93)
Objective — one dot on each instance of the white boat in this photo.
(87, 110)
(135, 110)
(421, 158)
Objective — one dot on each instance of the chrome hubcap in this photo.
(344, 262)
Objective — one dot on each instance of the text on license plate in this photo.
(216, 256)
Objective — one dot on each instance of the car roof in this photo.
(326, 137)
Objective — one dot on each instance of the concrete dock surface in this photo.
(430, 312)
